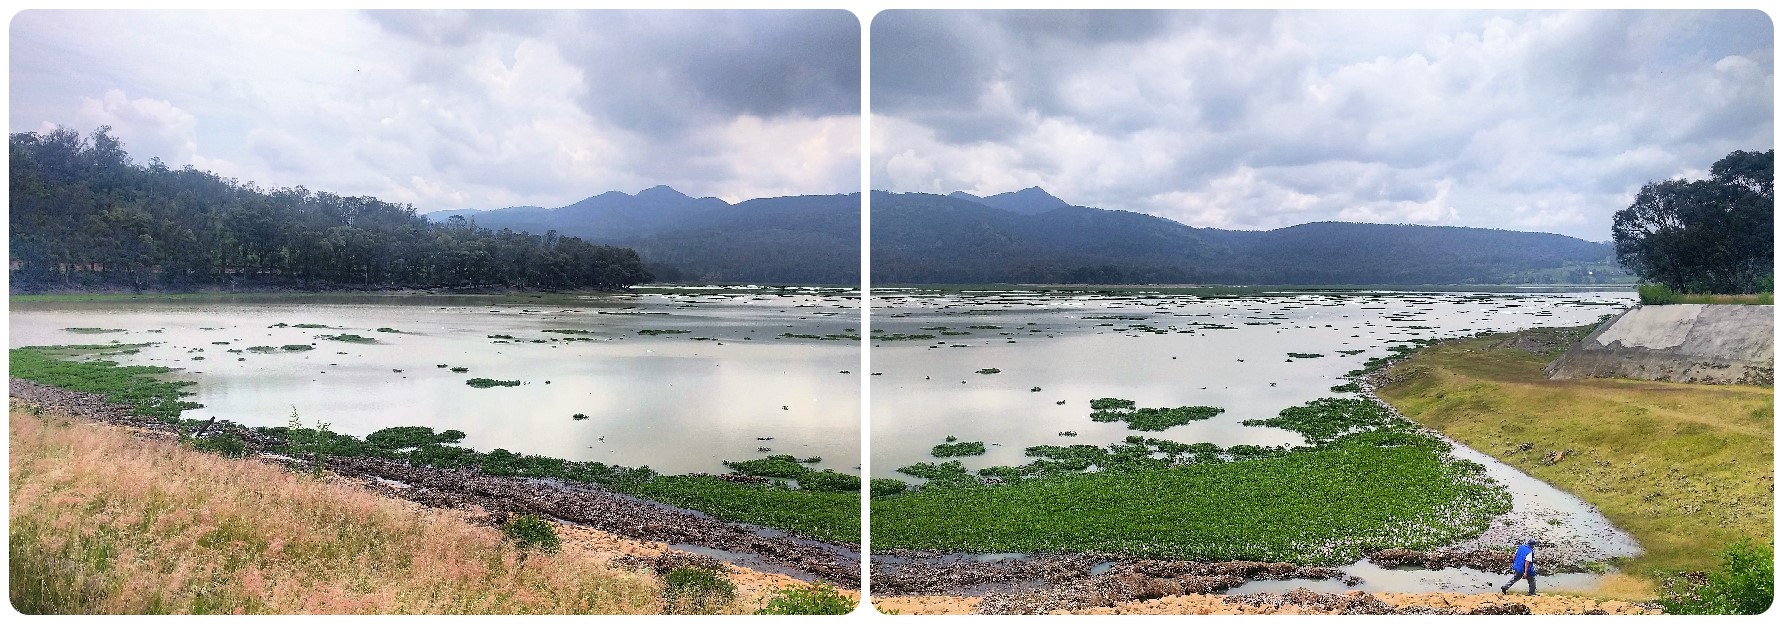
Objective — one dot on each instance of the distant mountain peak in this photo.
(1030, 200)
(661, 191)
(966, 196)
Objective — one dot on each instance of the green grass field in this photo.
(1685, 468)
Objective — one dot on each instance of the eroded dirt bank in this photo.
(495, 498)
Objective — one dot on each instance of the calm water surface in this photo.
(678, 402)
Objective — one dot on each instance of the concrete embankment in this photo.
(1689, 343)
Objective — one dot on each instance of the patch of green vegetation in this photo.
(143, 388)
(530, 532)
(781, 466)
(459, 369)
(398, 438)
(696, 591)
(91, 330)
(262, 349)
(389, 330)
(819, 599)
(1744, 584)
(500, 337)
(355, 338)
(1347, 387)
(1305, 356)
(888, 487)
(225, 444)
(485, 382)
(825, 515)
(957, 449)
(568, 331)
(989, 371)
(305, 326)
(986, 327)
(1659, 294)
(297, 347)
(659, 332)
(1315, 505)
(897, 337)
(1109, 409)
(1326, 419)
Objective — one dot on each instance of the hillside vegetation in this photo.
(84, 215)
(1032, 237)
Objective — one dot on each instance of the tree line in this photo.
(84, 215)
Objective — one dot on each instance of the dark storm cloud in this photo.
(1545, 120)
(668, 72)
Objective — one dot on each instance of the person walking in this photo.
(1523, 566)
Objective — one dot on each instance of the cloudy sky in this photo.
(1545, 121)
(460, 110)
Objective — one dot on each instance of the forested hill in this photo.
(808, 239)
(1031, 237)
(83, 215)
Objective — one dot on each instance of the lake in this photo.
(710, 374)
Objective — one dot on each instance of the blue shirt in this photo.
(1522, 553)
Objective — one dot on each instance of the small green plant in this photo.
(529, 532)
(819, 599)
(690, 590)
(226, 444)
(1745, 584)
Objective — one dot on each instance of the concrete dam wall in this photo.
(1690, 343)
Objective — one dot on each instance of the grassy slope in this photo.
(1310, 507)
(104, 522)
(1684, 468)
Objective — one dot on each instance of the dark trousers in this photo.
(1531, 582)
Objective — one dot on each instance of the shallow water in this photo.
(1409, 579)
(1087, 346)
(675, 402)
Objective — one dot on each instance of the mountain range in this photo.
(1030, 236)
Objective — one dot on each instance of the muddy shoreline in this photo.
(498, 497)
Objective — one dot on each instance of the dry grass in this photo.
(102, 521)
(1685, 468)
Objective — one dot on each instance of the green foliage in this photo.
(1658, 294)
(1313, 506)
(529, 532)
(690, 590)
(140, 387)
(888, 487)
(781, 466)
(828, 481)
(485, 382)
(987, 371)
(297, 347)
(824, 515)
(1705, 236)
(957, 449)
(1326, 419)
(91, 330)
(1745, 584)
(1347, 387)
(1148, 418)
(1305, 355)
(819, 599)
(225, 444)
(84, 214)
(396, 438)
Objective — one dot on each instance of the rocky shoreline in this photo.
(498, 497)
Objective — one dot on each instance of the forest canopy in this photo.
(1705, 236)
(84, 215)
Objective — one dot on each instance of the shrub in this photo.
(691, 590)
(1744, 585)
(529, 532)
(225, 444)
(819, 599)
(1658, 294)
